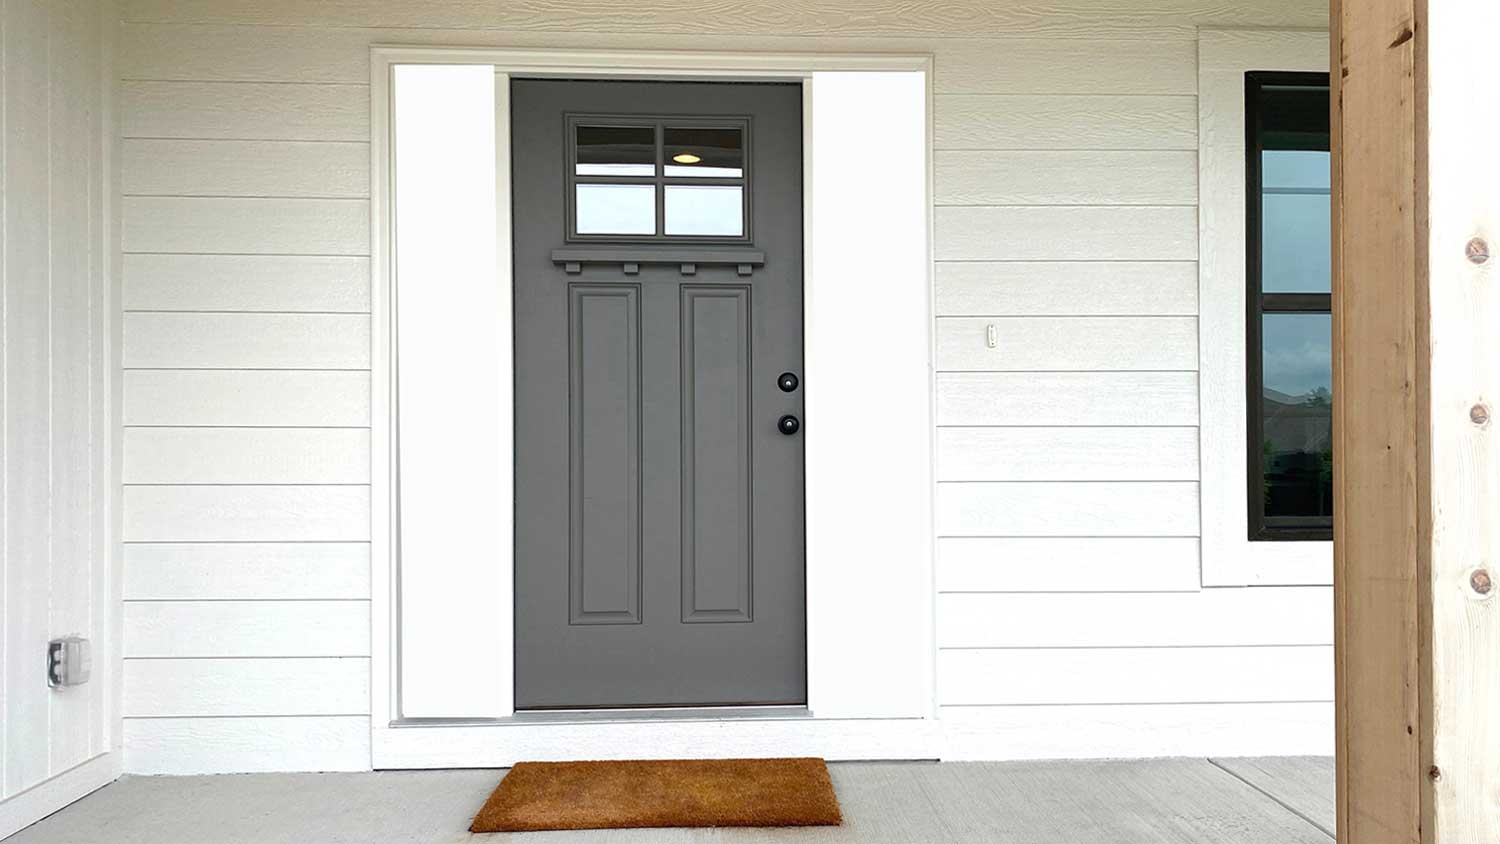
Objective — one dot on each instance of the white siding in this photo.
(191, 687)
(1073, 676)
(251, 571)
(247, 744)
(301, 169)
(247, 628)
(56, 261)
(1065, 137)
(247, 403)
(247, 283)
(1051, 122)
(247, 456)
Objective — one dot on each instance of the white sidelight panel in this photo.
(869, 396)
(453, 396)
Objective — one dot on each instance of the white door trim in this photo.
(871, 690)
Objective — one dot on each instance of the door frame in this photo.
(871, 665)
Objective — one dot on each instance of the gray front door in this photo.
(659, 456)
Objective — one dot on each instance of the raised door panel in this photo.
(716, 459)
(604, 397)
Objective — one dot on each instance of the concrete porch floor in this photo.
(1172, 801)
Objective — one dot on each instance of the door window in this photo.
(634, 179)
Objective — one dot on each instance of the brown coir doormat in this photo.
(619, 795)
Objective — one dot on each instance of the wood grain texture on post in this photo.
(1416, 211)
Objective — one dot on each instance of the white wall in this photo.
(56, 489)
(1070, 619)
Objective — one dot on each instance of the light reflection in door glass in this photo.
(705, 152)
(616, 209)
(616, 151)
(705, 210)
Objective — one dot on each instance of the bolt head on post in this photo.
(1477, 251)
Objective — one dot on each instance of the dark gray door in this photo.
(659, 457)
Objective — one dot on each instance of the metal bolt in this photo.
(1480, 582)
(1434, 774)
(1479, 414)
(1477, 251)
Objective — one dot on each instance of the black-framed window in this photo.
(1289, 357)
(635, 178)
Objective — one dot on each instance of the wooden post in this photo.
(1416, 139)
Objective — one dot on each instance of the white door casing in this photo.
(442, 639)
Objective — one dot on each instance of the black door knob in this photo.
(788, 425)
(787, 382)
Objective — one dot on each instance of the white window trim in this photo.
(1229, 557)
(870, 681)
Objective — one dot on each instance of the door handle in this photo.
(788, 425)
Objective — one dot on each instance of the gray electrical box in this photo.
(68, 661)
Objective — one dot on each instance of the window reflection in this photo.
(616, 209)
(637, 177)
(705, 210)
(1289, 270)
(704, 152)
(1297, 414)
(1296, 221)
(616, 151)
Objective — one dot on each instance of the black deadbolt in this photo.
(788, 425)
(787, 382)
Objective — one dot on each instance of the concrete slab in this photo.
(1304, 784)
(1174, 801)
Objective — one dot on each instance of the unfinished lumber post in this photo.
(1416, 198)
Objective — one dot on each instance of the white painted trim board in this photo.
(1229, 557)
(26, 808)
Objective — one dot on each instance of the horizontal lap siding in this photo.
(1044, 233)
(247, 456)
(1045, 177)
(1079, 287)
(252, 226)
(1065, 171)
(244, 744)
(261, 571)
(1051, 344)
(246, 513)
(247, 341)
(177, 629)
(1030, 122)
(1067, 398)
(1042, 676)
(1214, 618)
(1066, 564)
(247, 283)
(1067, 509)
(174, 167)
(1121, 453)
(1175, 19)
(247, 409)
(192, 687)
(263, 398)
(245, 111)
(1066, 346)
(1098, 731)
